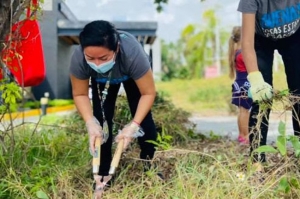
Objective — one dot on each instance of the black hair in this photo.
(99, 33)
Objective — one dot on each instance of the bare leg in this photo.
(243, 120)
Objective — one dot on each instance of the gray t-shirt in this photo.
(131, 62)
(275, 19)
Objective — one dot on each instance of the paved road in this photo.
(219, 125)
(227, 125)
(30, 119)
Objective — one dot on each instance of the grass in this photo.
(206, 95)
(51, 103)
(43, 162)
(58, 165)
(211, 174)
(51, 159)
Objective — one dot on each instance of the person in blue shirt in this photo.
(268, 25)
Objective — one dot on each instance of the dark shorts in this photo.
(240, 89)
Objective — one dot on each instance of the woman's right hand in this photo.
(259, 89)
(94, 130)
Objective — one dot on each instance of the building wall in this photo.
(49, 40)
(64, 54)
(57, 56)
(156, 57)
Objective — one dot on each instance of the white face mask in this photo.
(104, 67)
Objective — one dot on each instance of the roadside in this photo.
(37, 112)
(34, 115)
(219, 123)
(223, 124)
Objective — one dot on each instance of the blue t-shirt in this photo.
(275, 19)
(131, 62)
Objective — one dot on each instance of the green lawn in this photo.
(206, 95)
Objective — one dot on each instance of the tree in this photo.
(10, 13)
(200, 44)
(173, 61)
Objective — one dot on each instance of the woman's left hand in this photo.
(130, 131)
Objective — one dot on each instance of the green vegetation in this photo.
(10, 94)
(51, 103)
(200, 46)
(170, 120)
(172, 62)
(51, 159)
(204, 95)
(54, 163)
(196, 49)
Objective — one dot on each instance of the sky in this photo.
(176, 15)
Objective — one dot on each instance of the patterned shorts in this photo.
(240, 97)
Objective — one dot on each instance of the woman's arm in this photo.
(248, 32)
(259, 90)
(147, 89)
(80, 89)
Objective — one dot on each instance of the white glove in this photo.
(259, 89)
(130, 131)
(94, 130)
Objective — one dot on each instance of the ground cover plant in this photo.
(50, 159)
